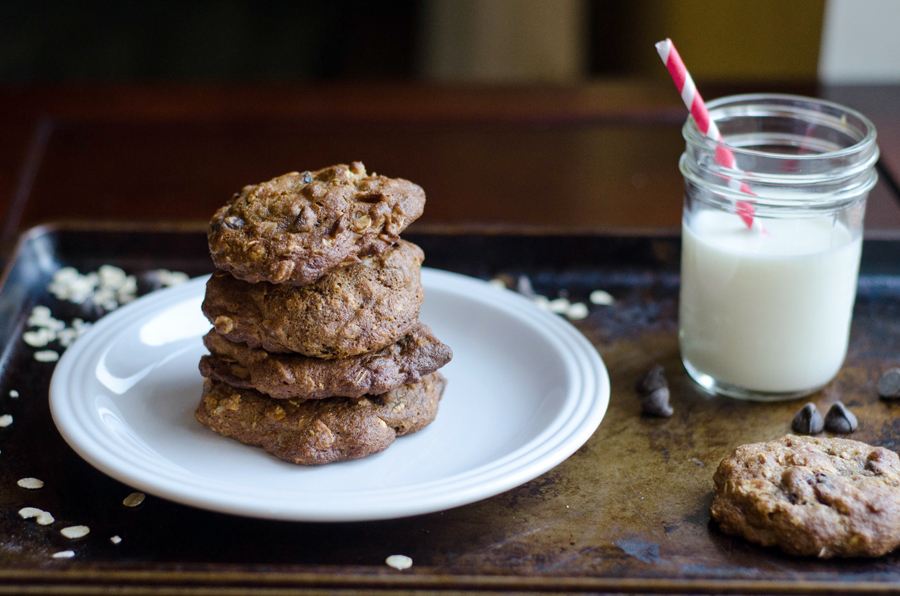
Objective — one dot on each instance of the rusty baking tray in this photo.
(628, 512)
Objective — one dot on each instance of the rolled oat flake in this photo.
(75, 531)
(889, 385)
(840, 420)
(134, 499)
(31, 483)
(63, 554)
(808, 421)
(399, 562)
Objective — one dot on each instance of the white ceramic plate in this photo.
(525, 390)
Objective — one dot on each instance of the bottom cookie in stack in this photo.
(320, 431)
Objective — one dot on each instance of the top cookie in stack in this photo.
(296, 228)
(317, 354)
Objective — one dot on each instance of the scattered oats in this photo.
(13, 393)
(66, 337)
(42, 517)
(524, 287)
(105, 298)
(75, 531)
(601, 298)
(46, 356)
(69, 285)
(134, 499)
(559, 305)
(39, 314)
(497, 283)
(577, 311)
(171, 278)
(115, 539)
(108, 287)
(111, 277)
(63, 554)
(31, 483)
(39, 338)
(5, 420)
(399, 562)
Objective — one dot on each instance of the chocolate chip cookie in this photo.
(295, 228)
(811, 496)
(358, 309)
(314, 432)
(286, 376)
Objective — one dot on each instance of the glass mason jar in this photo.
(771, 245)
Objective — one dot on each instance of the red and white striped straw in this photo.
(694, 103)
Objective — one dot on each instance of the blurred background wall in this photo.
(446, 40)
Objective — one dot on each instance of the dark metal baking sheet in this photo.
(628, 512)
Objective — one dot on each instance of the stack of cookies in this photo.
(317, 354)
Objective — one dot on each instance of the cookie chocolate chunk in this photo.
(286, 376)
(313, 432)
(811, 496)
(295, 228)
(359, 309)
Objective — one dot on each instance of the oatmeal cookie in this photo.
(322, 431)
(359, 309)
(811, 496)
(295, 228)
(286, 376)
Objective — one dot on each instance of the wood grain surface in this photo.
(599, 155)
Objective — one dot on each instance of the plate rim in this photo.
(584, 412)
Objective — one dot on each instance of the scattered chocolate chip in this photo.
(889, 385)
(657, 403)
(808, 421)
(654, 379)
(840, 420)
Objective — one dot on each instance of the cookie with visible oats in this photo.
(297, 227)
(286, 376)
(320, 431)
(358, 309)
(811, 496)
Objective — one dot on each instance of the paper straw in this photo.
(694, 103)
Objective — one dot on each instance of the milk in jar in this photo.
(767, 311)
(772, 232)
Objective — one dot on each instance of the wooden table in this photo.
(577, 188)
(597, 156)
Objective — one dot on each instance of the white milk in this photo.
(767, 312)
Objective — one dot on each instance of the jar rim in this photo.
(784, 100)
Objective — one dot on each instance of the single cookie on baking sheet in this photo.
(320, 431)
(286, 376)
(811, 496)
(358, 309)
(297, 227)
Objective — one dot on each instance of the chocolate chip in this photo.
(889, 385)
(840, 420)
(808, 421)
(654, 379)
(656, 403)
